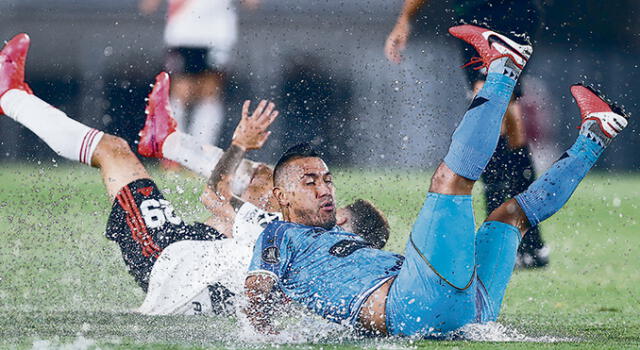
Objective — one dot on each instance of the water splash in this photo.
(496, 332)
(80, 343)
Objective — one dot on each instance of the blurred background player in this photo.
(510, 170)
(199, 35)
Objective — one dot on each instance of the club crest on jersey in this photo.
(271, 255)
(145, 191)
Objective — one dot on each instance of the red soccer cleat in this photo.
(12, 60)
(491, 45)
(610, 118)
(160, 122)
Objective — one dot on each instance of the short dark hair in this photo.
(303, 150)
(369, 223)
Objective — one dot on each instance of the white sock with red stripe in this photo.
(67, 137)
(202, 158)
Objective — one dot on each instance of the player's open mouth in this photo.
(328, 207)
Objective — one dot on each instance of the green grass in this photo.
(62, 284)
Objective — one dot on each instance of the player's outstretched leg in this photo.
(475, 139)
(160, 138)
(67, 137)
(498, 238)
(601, 122)
(142, 222)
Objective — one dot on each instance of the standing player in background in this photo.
(199, 35)
(510, 170)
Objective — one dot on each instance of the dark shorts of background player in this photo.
(190, 61)
(143, 224)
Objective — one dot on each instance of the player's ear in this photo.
(341, 216)
(281, 197)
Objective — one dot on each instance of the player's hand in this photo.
(397, 41)
(251, 133)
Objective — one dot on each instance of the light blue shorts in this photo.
(451, 276)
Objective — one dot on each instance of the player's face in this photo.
(308, 194)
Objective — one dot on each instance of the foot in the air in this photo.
(12, 60)
(160, 122)
(491, 46)
(601, 120)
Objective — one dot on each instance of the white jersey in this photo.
(181, 277)
(201, 23)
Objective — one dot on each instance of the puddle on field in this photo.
(307, 333)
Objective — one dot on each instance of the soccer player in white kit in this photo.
(199, 35)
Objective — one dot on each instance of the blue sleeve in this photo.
(271, 253)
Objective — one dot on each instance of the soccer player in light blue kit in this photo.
(450, 275)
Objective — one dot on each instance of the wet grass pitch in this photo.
(64, 285)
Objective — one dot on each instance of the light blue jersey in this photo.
(332, 272)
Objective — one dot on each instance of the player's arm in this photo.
(250, 134)
(261, 301)
(272, 256)
(217, 196)
(221, 177)
(397, 39)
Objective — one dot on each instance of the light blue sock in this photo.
(476, 138)
(552, 190)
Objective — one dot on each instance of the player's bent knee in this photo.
(512, 214)
(446, 181)
(112, 150)
(116, 146)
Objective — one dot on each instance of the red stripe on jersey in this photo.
(135, 231)
(136, 234)
(139, 221)
(138, 229)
